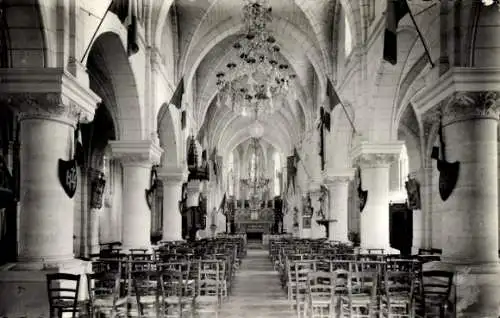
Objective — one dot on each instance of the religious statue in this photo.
(323, 199)
(295, 217)
(413, 191)
(98, 185)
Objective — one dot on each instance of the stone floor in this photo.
(256, 291)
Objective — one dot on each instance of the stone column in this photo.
(375, 160)
(470, 214)
(172, 178)
(46, 218)
(137, 158)
(470, 219)
(50, 102)
(337, 183)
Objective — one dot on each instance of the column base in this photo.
(171, 239)
(476, 288)
(126, 248)
(23, 286)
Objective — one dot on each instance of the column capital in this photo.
(373, 155)
(456, 79)
(338, 176)
(48, 93)
(314, 184)
(136, 151)
(172, 175)
(471, 105)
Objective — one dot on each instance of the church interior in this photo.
(249, 158)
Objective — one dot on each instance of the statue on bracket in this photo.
(413, 191)
(153, 185)
(323, 199)
(98, 185)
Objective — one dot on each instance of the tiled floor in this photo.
(256, 292)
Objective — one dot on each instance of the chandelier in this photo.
(260, 76)
(254, 180)
(491, 2)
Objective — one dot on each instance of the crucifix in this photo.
(324, 123)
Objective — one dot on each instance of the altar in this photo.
(254, 222)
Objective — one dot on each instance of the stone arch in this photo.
(484, 40)
(159, 23)
(231, 27)
(408, 130)
(98, 133)
(353, 12)
(109, 57)
(25, 38)
(355, 31)
(168, 137)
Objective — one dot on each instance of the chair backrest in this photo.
(103, 285)
(210, 277)
(300, 270)
(401, 283)
(362, 282)
(436, 284)
(404, 265)
(171, 283)
(321, 284)
(62, 290)
(375, 250)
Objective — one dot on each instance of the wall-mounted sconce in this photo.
(97, 191)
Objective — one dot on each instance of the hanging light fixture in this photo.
(491, 2)
(256, 181)
(260, 76)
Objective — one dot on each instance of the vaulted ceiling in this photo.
(207, 31)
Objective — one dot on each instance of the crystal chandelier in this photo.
(255, 181)
(260, 77)
(491, 2)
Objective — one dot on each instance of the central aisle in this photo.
(256, 292)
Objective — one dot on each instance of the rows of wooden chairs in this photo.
(176, 279)
(325, 279)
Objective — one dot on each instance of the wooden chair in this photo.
(173, 303)
(321, 295)
(209, 291)
(398, 294)
(182, 288)
(143, 292)
(361, 298)
(297, 283)
(433, 297)
(62, 289)
(104, 295)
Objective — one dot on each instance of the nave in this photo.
(226, 277)
(357, 127)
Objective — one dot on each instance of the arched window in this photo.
(277, 172)
(347, 36)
